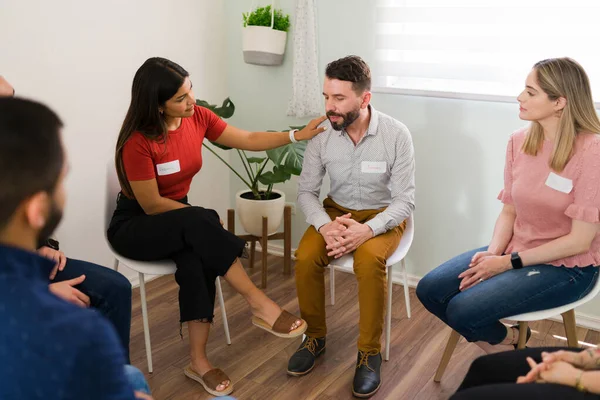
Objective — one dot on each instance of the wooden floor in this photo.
(256, 361)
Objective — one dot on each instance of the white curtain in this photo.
(307, 99)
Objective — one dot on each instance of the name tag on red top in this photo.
(168, 168)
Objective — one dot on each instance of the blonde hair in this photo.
(564, 77)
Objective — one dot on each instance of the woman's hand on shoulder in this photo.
(312, 129)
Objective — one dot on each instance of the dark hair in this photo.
(352, 69)
(155, 82)
(31, 153)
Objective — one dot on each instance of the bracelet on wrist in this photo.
(578, 385)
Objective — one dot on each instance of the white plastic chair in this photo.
(568, 314)
(162, 267)
(398, 256)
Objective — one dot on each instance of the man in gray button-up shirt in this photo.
(369, 157)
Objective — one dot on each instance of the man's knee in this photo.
(311, 251)
(369, 261)
(120, 282)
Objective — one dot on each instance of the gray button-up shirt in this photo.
(378, 172)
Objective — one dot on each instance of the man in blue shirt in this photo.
(101, 288)
(49, 349)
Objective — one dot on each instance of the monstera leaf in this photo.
(225, 111)
(288, 158)
(278, 175)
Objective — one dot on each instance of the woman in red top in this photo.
(158, 153)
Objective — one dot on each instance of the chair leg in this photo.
(287, 241)
(450, 346)
(332, 284)
(570, 328)
(223, 312)
(406, 291)
(145, 322)
(252, 251)
(388, 314)
(116, 265)
(264, 245)
(522, 334)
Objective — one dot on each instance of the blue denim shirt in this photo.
(51, 349)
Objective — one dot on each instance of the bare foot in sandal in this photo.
(202, 366)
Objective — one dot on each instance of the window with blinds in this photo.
(480, 49)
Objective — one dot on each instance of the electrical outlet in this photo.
(292, 205)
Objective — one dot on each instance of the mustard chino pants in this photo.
(369, 268)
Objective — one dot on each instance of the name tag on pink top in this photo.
(373, 167)
(559, 183)
(168, 168)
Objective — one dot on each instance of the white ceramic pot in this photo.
(250, 212)
(263, 45)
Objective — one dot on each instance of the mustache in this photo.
(332, 114)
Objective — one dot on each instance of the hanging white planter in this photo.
(263, 45)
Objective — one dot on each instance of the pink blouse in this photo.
(547, 202)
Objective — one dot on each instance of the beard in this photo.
(53, 220)
(347, 119)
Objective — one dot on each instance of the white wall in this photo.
(79, 57)
(459, 145)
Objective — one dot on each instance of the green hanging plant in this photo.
(261, 16)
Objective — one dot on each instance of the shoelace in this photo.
(310, 344)
(364, 359)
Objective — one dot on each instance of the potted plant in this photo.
(264, 36)
(260, 174)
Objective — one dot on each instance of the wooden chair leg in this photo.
(522, 334)
(570, 328)
(252, 251)
(231, 221)
(264, 244)
(287, 240)
(450, 346)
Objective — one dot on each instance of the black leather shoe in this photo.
(303, 360)
(528, 335)
(367, 377)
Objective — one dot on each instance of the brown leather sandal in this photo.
(282, 325)
(210, 380)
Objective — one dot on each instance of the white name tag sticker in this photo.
(168, 168)
(559, 183)
(373, 167)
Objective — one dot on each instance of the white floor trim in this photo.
(583, 320)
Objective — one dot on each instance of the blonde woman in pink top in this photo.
(545, 248)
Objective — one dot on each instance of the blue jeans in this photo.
(137, 379)
(475, 312)
(109, 293)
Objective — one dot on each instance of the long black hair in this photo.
(155, 82)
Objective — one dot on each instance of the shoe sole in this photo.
(259, 323)
(193, 375)
(292, 373)
(366, 395)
